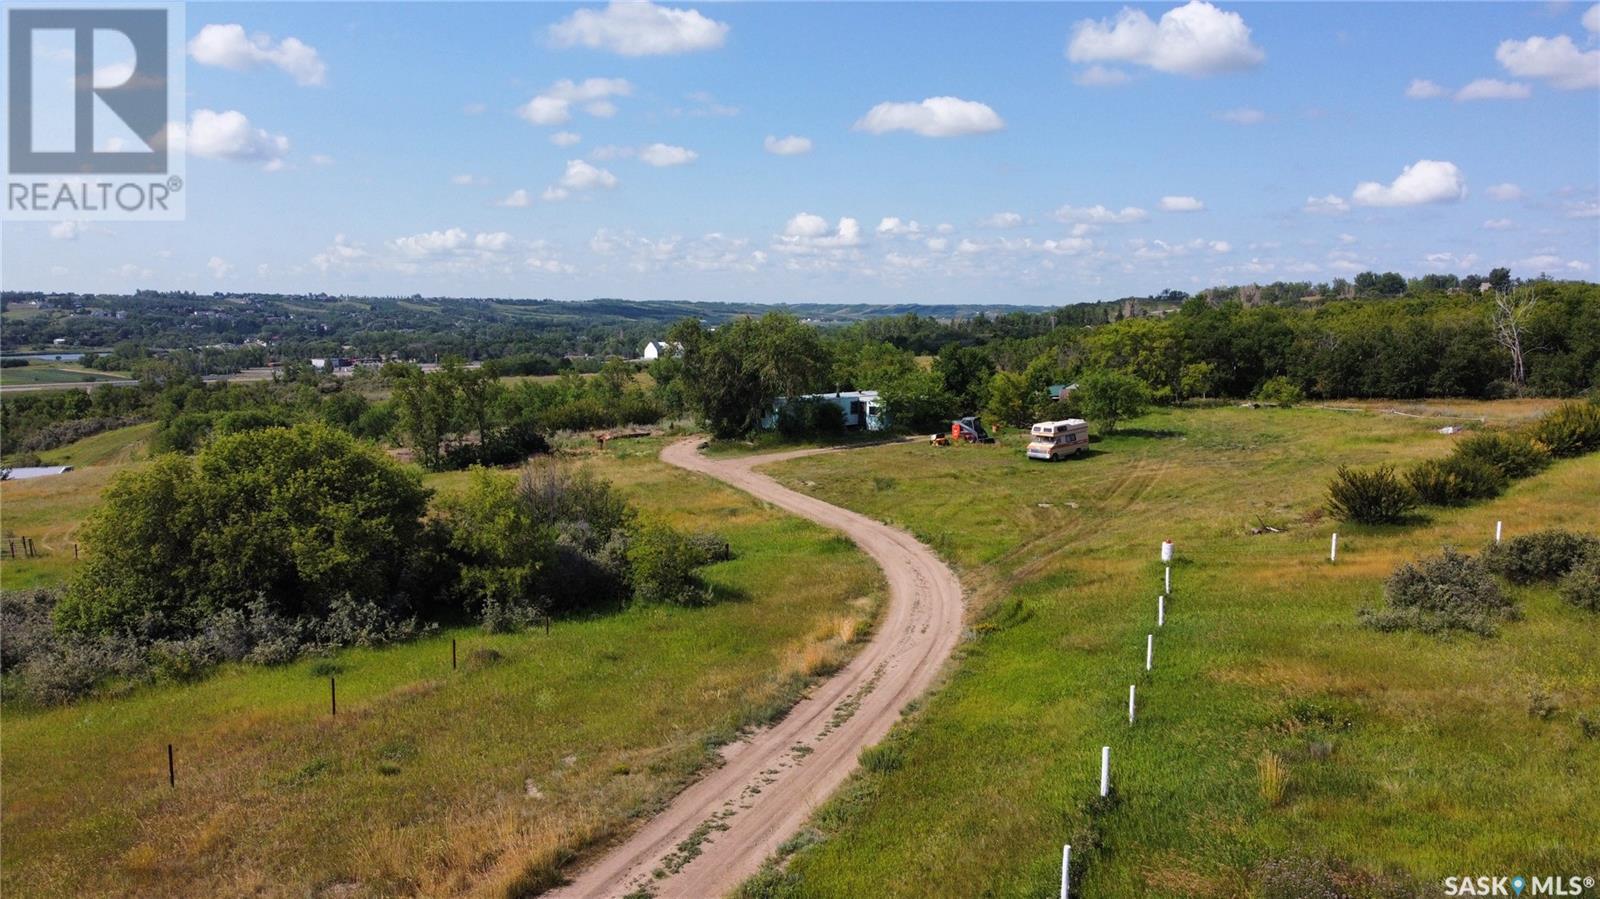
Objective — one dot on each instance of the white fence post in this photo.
(1497, 531)
(1166, 580)
(1105, 770)
(1333, 548)
(1161, 611)
(1130, 703)
(1149, 650)
(1066, 867)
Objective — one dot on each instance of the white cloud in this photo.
(321, 159)
(933, 117)
(1332, 204)
(66, 230)
(1244, 115)
(1098, 214)
(228, 47)
(229, 135)
(1181, 204)
(517, 199)
(894, 225)
(633, 28)
(1494, 89)
(806, 232)
(793, 145)
(1001, 220)
(466, 180)
(937, 244)
(662, 155)
(1425, 181)
(1450, 261)
(1100, 76)
(579, 176)
(1498, 225)
(1423, 89)
(1591, 18)
(1195, 39)
(1506, 191)
(1553, 59)
(220, 268)
(553, 106)
(565, 138)
(1583, 209)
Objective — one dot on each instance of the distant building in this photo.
(860, 409)
(655, 349)
(1057, 391)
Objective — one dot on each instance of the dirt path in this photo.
(719, 830)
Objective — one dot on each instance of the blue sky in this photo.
(1065, 152)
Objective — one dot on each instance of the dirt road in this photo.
(738, 813)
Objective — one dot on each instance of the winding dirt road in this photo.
(717, 832)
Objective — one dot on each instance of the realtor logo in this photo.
(94, 99)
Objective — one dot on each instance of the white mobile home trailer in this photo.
(1054, 440)
(860, 409)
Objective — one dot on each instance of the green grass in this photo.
(429, 781)
(42, 372)
(1402, 750)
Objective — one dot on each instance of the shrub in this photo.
(1513, 453)
(1309, 877)
(662, 562)
(1376, 496)
(1455, 480)
(1280, 391)
(1451, 591)
(1571, 429)
(882, 758)
(1581, 585)
(1539, 556)
(1274, 777)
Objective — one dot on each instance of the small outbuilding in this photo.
(655, 349)
(860, 409)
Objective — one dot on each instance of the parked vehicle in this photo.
(969, 430)
(1054, 440)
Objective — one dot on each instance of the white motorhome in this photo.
(1054, 440)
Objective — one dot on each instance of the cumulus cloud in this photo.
(633, 28)
(580, 176)
(1506, 191)
(553, 106)
(565, 138)
(1181, 204)
(1244, 115)
(894, 225)
(449, 250)
(468, 180)
(1425, 181)
(793, 145)
(1332, 204)
(1100, 76)
(1591, 18)
(66, 230)
(1423, 89)
(1195, 39)
(517, 199)
(1553, 59)
(1583, 209)
(1498, 225)
(229, 135)
(662, 155)
(1101, 215)
(1001, 220)
(227, 46)
(1494, 89)
(220, 268)
(806, 232)
(933, 117)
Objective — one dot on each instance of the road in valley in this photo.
(737, 814)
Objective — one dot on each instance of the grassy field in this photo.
(1402, 751)
(39, 371)
(429, 781)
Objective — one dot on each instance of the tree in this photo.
(1511, 314)
(1500, 279)
(964, 374)
(1110, 397)
(502, 548)
(1008, 399)
(733, 375)
(1197, 379)
(295, 518)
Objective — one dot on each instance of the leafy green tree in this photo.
(1280, 391)
(964, 374)
(503, 549)
(1500, 279)
(1110, 397)
(1197, 379)
(294, 518)
(1008, 399)
(733, 374)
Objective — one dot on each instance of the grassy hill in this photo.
(1428, 756)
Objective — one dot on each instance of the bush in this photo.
(1539, 556)
(1513, 453)
(1280, 391)
(798, 419)
(1451, 591)
(1581, 584)
(1377, 496)
(1571, 429)
(662, 562)
(1455, 480)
